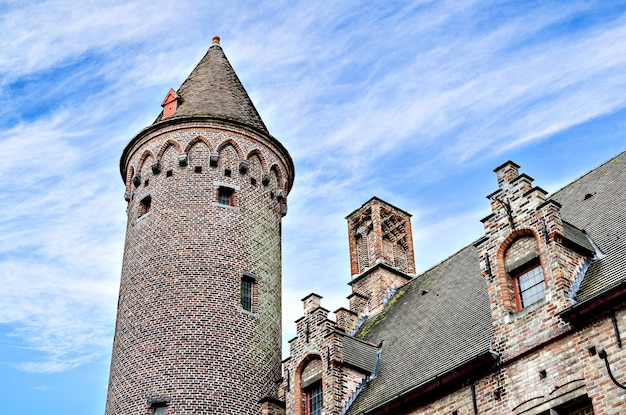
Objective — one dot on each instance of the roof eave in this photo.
(459, 373)
(599, 302)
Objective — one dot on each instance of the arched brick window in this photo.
(311, 385)
(523, 265)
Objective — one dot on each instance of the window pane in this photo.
(246, 294)
(531, 286)
(315, 399)
(225, 196)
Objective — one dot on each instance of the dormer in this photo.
(170, 103)
(531, 259)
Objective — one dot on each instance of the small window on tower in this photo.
(225, 196)
(144, 206)
(246, 294)
(248, 291)
(158, 406)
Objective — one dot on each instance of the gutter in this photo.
(461, 371)
(603, 300)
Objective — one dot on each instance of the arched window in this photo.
(524, 267)
(311, 385)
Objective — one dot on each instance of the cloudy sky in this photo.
(414, 102)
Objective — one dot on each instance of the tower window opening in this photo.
(529, 286)
(253, 181)
(314, 399)
(169, 173)
(247, 288)
(198, 169)
(159, 410)
(225, 196)
(227, 172)
(144, 206)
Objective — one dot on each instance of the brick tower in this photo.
(199, 315)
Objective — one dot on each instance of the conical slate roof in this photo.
(214, 90)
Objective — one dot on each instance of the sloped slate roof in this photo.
(596, 204)
(214, 90)
(433, 324)
(441, 319)
(359, 354)
(578, 237)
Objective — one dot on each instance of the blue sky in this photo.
(414, 102)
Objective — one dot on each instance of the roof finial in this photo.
(216, 40)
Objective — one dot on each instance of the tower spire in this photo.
(214, 90)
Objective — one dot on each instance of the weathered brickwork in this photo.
(381, 254)
(561, 371)
(377, 284)
(522, 218)
(379, 232)
(318, 348)
(182, 336)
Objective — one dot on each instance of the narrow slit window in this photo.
(247, 293)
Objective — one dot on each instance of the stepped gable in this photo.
(213, 89)
(592, 204)
(433, 324)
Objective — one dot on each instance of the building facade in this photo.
(529, 319)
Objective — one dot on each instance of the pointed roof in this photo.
(214, 90)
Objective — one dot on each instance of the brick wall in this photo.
(318, 345)
(519, 212)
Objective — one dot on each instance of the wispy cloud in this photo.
(385, 98)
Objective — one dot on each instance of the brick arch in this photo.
(297, 389)
(195, 141)
(146, 154)
(199, 151)
(279, 176)
(257, 153)
(166, 145)
(505, 283)
(233, 143)
(130, 173)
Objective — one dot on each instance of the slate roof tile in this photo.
(213, 89)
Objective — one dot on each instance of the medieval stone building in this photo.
(528, 319)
